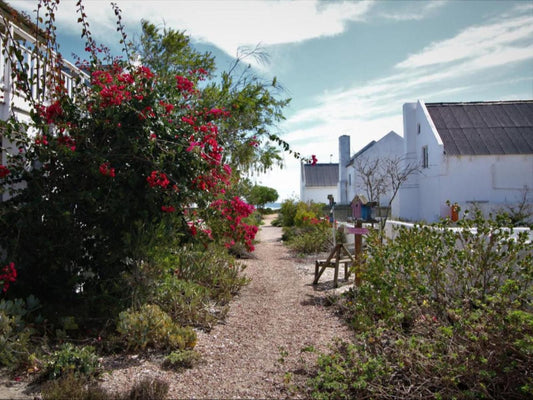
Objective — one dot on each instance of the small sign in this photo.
(357, 231)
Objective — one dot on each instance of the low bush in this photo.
(151, 327)
(441, 313)
(73, 360)
(181, 359)
(304, 228)
(186, 302)
(148, 389)
(311, 240)
(17, 320)
(72, 387)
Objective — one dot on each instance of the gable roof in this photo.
(484, 128)
(321, 174)
(369, 145)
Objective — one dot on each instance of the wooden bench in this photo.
(339, 255)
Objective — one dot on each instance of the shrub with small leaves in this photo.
(152, 327)
(442, 312)
(16, 329)
(181, 359)
(70, 359)
(148, 389)
(73, 388)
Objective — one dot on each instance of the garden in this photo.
(442, 311)
(122, 216)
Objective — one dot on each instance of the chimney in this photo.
(344, 159)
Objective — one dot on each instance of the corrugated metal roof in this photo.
(321, 174)
(484, 128)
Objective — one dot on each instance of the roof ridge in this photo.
(479, 102)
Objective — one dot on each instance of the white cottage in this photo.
(318, 181)
(478, 153)
(389, 147)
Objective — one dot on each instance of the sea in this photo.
(274, 206)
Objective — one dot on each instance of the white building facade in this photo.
(472, 154)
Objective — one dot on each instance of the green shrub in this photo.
(212, 268)
(181, 359)
(311, 241)
(287, 212)
(440, 312)
(152, 327)
(70, 359)
(16, 329)
(148, 389)
(187, 303)
(73, 388)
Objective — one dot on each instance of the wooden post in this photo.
(358, 239)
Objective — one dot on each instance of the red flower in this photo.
(157, 178)
(41, 140)
(7, 276)
(313, 160)
(106, 171)
(168, 209)
(4, 171)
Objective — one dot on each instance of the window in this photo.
(418, 128)
(425, 157)
(349, 179)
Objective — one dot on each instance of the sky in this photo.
(348, 66)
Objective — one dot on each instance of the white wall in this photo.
(391, 146)
(317, 194)
(490, 181)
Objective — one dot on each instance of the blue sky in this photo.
(348, 66)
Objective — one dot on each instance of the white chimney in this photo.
(344, 159)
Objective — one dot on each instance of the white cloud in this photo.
(415, 10)
(474, 42)
(227, 24)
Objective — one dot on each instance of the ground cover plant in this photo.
(442, 312)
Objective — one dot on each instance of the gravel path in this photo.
(278, 312)
(256, 353)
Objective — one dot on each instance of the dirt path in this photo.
(279, 311)
(250, 354)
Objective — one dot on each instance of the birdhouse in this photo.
(362, 208)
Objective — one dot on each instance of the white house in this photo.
(478, 153)
(318, 181)
(15, 29)
(372, 157)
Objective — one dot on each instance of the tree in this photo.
(122, 157)
(253, 104)
(260, 195)
(382, 177)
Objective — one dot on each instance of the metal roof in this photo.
(321, 174)
(484, 128)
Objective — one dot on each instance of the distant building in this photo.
(391, 146)
(478, 153)
(318, 181)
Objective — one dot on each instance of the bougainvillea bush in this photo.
(94, 172)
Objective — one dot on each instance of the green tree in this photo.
(122, 157)
(254, 104)
(260, 195)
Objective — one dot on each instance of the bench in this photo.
(334, 260)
